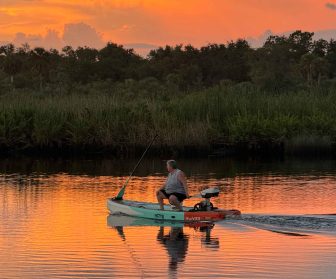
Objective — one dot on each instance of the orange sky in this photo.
(162, 22)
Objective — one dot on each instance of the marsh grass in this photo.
(101, 120)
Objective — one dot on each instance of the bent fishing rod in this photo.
(122, 190)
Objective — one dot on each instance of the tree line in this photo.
(283, 62)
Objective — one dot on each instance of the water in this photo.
(54, 222)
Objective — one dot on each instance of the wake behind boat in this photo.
(202, 211)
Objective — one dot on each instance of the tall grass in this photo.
(106, 120)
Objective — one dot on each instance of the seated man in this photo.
(175, 189)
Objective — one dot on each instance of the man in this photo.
(175, 189)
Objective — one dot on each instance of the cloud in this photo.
(81, 34)
(53, 40)
(159, 22)
(74, 34)
(330, 6)
(256, 42)
(16, 2)
(142, 49)
(31, 39)
(327, 34)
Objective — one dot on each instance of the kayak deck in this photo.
(152, 211)
(149, 205)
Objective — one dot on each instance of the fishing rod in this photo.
(122, 190)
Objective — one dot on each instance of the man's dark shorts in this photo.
(179, 196)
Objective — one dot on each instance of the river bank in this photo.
(220, 121)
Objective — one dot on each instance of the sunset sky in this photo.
(53, 23)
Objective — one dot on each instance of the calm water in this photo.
(54, 222)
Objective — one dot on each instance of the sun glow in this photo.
(166, 22)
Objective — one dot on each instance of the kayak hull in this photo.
(152, 211)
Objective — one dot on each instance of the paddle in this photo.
(122, 190)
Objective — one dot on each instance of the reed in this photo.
(234, 114)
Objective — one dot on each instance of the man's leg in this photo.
(160, 197)
(174, 201)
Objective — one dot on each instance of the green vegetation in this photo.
(282, 63)
(282, 95)
(236, 115)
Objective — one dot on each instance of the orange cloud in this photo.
(166, 21)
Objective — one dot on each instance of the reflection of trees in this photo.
(198, 170)
(21, 194)
(25, 182)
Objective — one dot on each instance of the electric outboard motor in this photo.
(210, 193)
(206, 205)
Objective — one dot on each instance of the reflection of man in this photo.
(176, 243)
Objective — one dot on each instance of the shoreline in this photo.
(213, 122)
(214, 150)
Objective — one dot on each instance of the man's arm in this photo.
(163, 186)
(183, 180)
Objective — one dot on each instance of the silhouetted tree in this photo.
(283, 62)
(11, 62)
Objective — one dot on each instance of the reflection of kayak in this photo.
(152, 211)
(129, 221)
